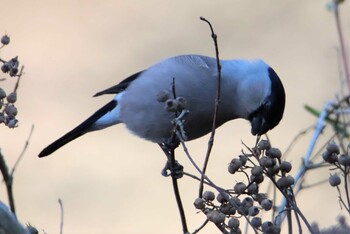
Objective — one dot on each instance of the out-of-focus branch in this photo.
(341, 42)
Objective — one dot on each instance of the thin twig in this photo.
(8, 182)
(217, 103)
(62, 215)
(346, 187)
(18, 79)
(170, 153)
(201, 227)
(26, 144)
(222, 191)
(169, 150)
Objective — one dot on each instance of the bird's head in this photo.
(271, 109)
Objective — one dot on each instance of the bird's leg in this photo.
(172, 167)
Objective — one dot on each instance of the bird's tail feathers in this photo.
(81, 129)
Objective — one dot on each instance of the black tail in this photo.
(80, 130)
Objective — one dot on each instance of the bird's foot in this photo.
(173, 169)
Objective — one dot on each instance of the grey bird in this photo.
(250, 89)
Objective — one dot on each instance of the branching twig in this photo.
(217, 102)
(23, 151)
(306, 160)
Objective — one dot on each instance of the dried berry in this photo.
(285, 182)
(243, 159)
(256, 222)
(226, 208)
(239, 188)
(5, 67)
(12, 97)
(5, 40)
(286, 166)
(2, 93)
(181, 102)
(171, 105)
(222, 197)
(334, 180)
(344, 160)
(233, 223)
(330, 157)
(332, 147)
(266, 204)
(208, 196)
(274, 153)
(11, 122)
(257, 170)
(163, 95)
(11, 110)
(257, 179)
(260, 197)
(199, 203)
(234, 165)
(253, 211)
(264, 145)
(248, 202)
(253, 189)
(216, 216)
(266, 162)
(269, 227)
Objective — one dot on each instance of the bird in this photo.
(250, 89)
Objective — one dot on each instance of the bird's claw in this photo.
(173, 169)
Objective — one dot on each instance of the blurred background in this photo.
(110, 181)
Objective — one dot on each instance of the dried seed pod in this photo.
(334, 180)
(2, 93)
(344, 160)
(239, 188)
(216, 216)
(199, 203)
(332, 147)
(253, 189)
(163, 95)
(11, 110)
(257, 170)
(285, 182)
(286, 166)
(181, 102)
(222, 197)
(208, 196)
(264, 145)
(256, 222)
(330, 157)
(233, 223)
(171, 105)
(234, 165)
(274, 153)
(12, 97)
(266, 204)
(253, 211)
(5, 40)
(243, 159)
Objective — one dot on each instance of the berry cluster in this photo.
(8, 110)
(244, 199)
(340, 161)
